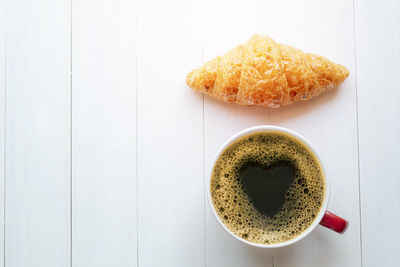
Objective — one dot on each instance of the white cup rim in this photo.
(271, 128)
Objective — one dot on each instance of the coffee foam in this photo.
(302, 202)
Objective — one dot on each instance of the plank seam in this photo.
(5, 135)
(204, 146)
(358, 131)
(71, 117)
(136, 135)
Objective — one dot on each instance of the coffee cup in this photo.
(240, 182)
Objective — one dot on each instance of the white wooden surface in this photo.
(378, 80)
(104, 193)
(170, 135)
(37, 188)
(107, 150)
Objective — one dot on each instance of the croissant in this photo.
(264, 73)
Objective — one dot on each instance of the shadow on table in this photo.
(263, 115)
(314, 249)
(302, 108)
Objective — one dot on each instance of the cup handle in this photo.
(334, 222)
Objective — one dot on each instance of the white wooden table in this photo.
(104, 149)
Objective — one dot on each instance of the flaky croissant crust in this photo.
(262, 72)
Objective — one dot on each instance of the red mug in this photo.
(324, 217)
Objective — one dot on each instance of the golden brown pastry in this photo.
(262, 72)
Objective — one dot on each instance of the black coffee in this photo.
(267, 187)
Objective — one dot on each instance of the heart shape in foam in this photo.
(266, 187)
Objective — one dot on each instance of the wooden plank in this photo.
(226, 24)
(378, 57)
(2, 121)
(37, 208)
(170, 135)
(104, 229)
(329, 122)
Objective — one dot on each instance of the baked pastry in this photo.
(264, 73)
